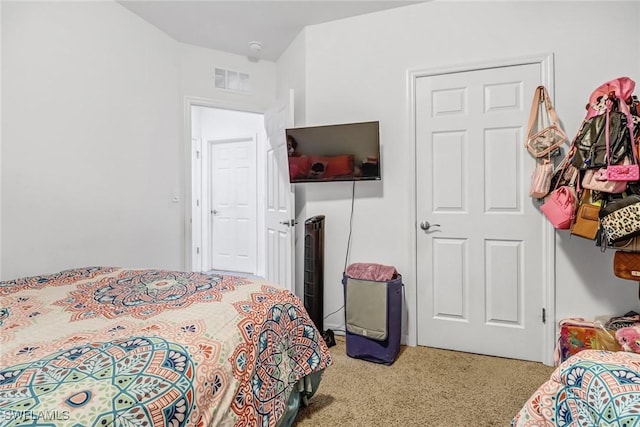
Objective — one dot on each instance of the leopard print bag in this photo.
(620, 218)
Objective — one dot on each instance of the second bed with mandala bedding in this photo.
(590, 389)
(111, 346)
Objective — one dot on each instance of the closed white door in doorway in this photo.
(233, 211)
(479, 235)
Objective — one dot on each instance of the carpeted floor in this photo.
(425, 387)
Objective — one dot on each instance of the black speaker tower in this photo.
(314, 274)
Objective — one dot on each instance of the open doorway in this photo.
(226, 227)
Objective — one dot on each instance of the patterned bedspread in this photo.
(107, 346)
(591, 389)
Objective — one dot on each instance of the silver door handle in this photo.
(289, 223)
(215, 212)
(424, 225)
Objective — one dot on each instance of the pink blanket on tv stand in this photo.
(371, 271)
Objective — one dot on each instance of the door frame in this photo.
(190, 102)
(548, 232)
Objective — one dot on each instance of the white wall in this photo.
(89, 139)
(197, 66)
(356, 70)
(94, 142)
(291, 74)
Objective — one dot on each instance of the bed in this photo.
(591, 388)
(111, 346)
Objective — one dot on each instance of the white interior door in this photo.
(479, 274)
(232, 198)
(279, 218)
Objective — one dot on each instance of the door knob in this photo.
(424, 225)
(215, 212)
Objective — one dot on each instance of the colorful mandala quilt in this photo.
(590, 389)
(105, 346)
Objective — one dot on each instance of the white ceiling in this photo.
(230, 25)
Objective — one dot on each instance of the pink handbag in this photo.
(597, 180)
(560, 207)
(623, 173)
(541, 179)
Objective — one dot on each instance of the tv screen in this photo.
(340, 152)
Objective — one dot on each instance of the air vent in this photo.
(232, 80)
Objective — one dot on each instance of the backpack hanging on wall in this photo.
(608, 116)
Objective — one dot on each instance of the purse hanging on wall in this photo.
(587, 221)
(591, 149)
(629, 245)
(544, 133)
(561, 204)
(565, 173)
(597, 180)
(624, 172)
(544, 136)
(626, 265)
(560, 207)
(541, 178)
(620, 219)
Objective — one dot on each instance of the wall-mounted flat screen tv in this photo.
(339, 152)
